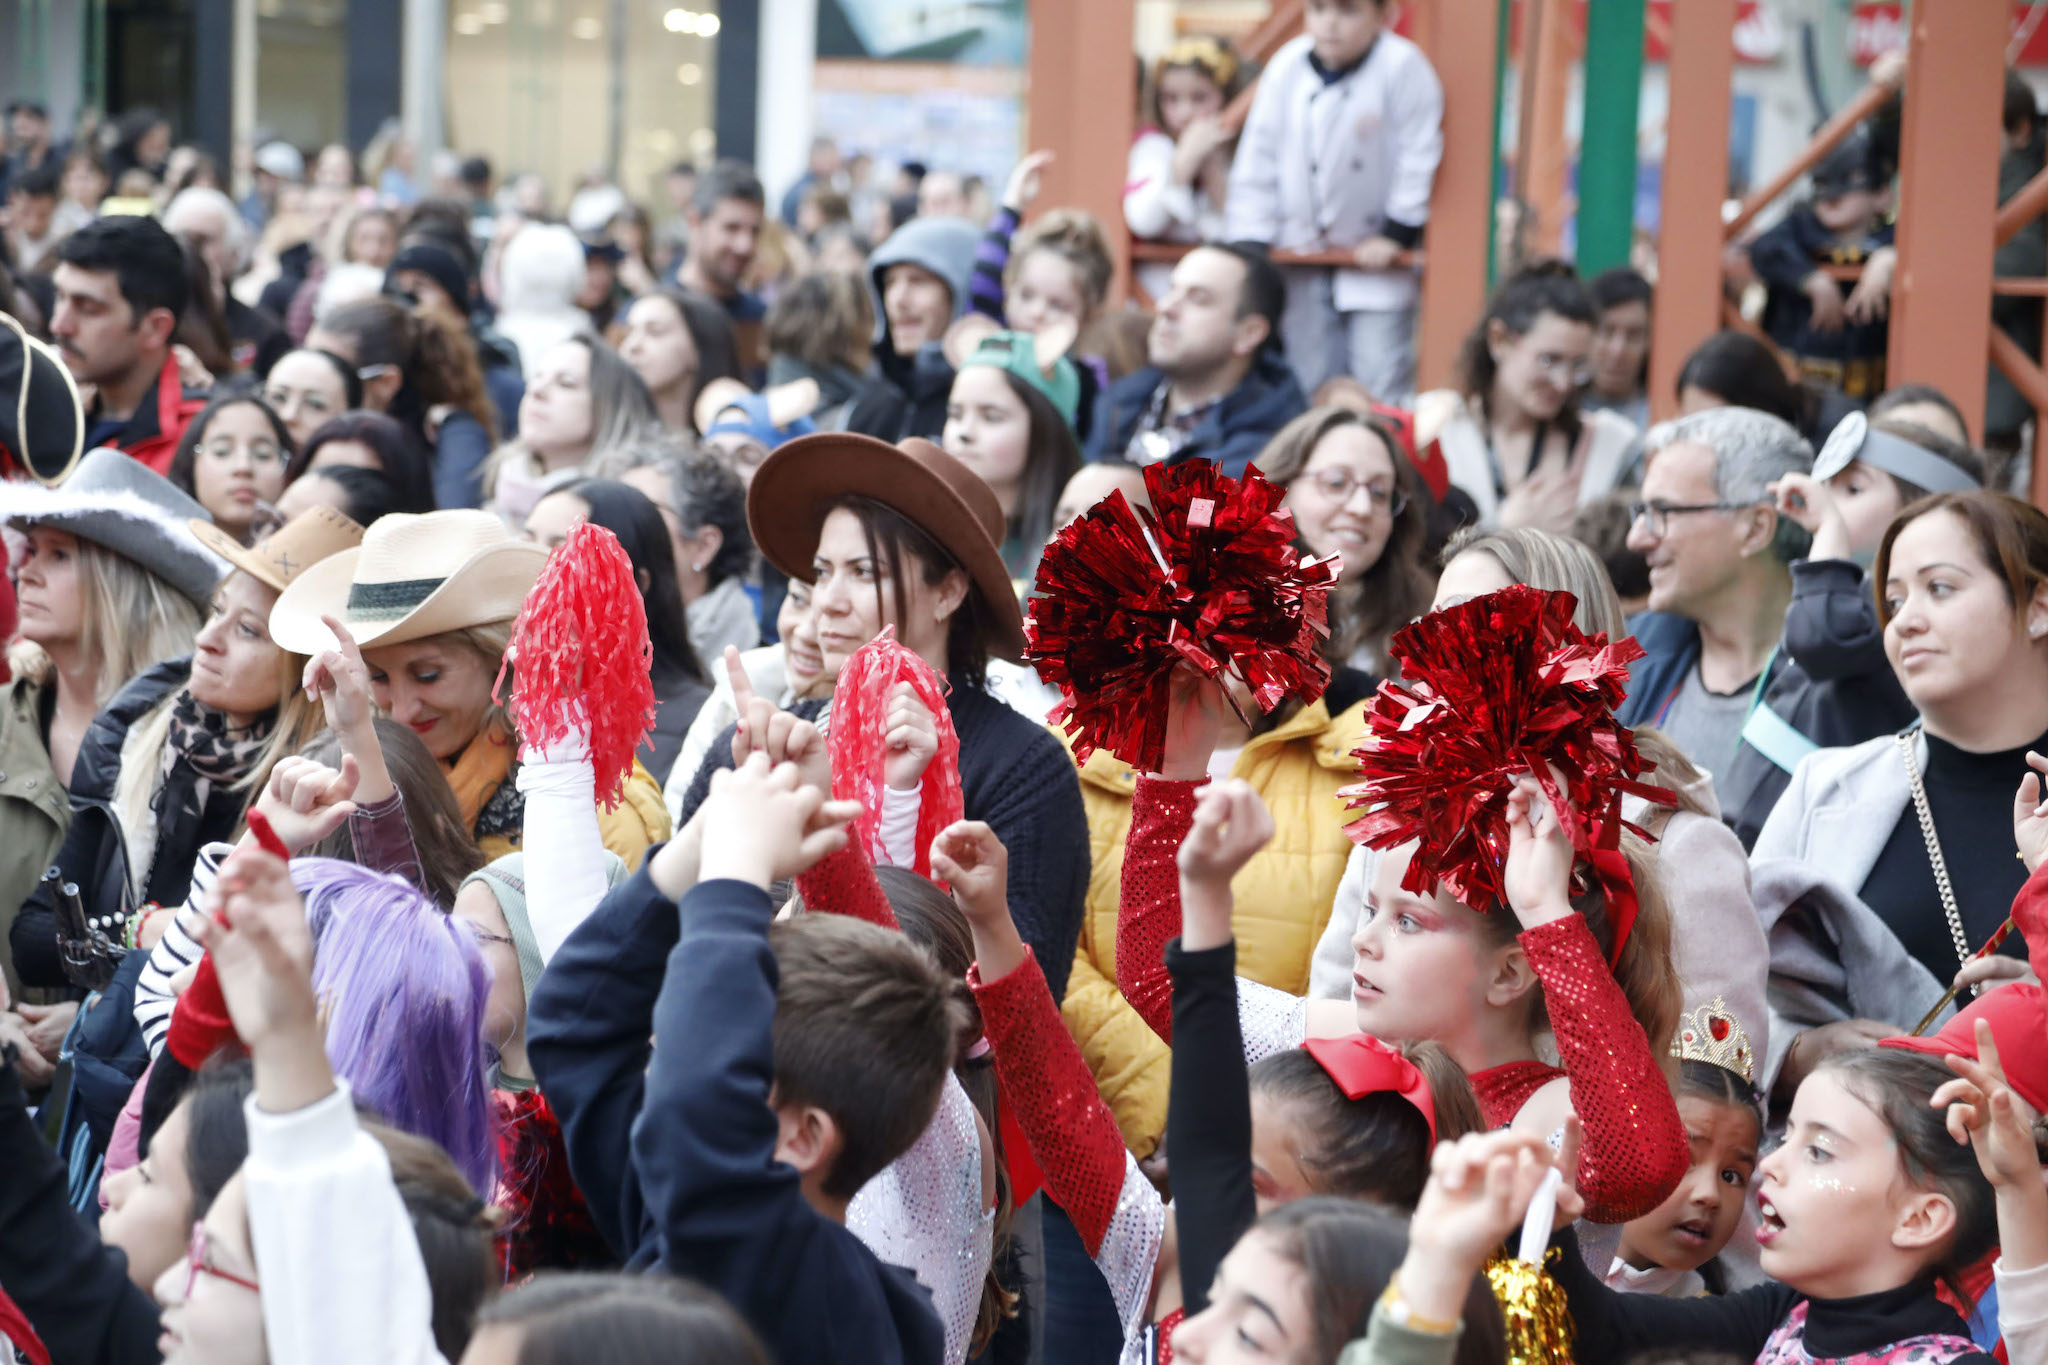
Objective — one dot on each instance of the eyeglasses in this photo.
(1659, 515)
(486, 936)
(199, 1261)
(1338, 485)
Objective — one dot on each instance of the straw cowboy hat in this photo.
(290, 550)
(42, 425)
(787, 502)
(115, 501)
(413, 576)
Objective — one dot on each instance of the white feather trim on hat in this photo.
(129, 524)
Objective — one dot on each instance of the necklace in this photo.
(1934, 858)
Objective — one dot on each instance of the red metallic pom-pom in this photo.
(1208, 576)
(859, 741)
(1499, 686)
(581, 657)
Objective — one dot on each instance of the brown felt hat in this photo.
(793, 488)
(287, 552)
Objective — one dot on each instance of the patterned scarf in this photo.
(202, 757)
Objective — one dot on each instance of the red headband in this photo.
(1362, 1065)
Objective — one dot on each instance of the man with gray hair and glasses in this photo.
(1720, 561)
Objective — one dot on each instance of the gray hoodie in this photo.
(944, 246)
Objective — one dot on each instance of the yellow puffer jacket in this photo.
(636, 824)
(1283, 896)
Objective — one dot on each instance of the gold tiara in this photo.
(1710, 1034)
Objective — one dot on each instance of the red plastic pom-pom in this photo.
(859, 741)
(1209, 576)
(1499, 686)
(581, 657)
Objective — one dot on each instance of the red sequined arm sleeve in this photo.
(1635, 1149)
(845, 884)
(1072, 1135)
(2030, 913)
(1148, 908)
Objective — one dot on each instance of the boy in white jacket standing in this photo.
(1339, 153)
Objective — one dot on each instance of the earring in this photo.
(696, 566)
(2034, 631)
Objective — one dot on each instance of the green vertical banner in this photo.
(1501, 31)
(1607, 148)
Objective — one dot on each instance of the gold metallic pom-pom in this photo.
(1538, 1321)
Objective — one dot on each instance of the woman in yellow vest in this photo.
(1354, 494)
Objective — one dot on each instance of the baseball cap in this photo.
(282, 160)
(2019, 1023)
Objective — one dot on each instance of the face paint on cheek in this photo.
(1827, 1184)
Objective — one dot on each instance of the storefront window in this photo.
(302, 70)
(539, 85)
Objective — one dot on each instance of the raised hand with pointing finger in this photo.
(340, 681)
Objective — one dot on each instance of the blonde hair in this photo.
(1553, 563)
(1076, 237)
(491, 640)
(299, 722)
(133, 620)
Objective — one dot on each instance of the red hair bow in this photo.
(1362, 1065)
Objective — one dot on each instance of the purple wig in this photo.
(404, 987)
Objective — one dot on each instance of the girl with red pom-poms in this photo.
(1497, 985)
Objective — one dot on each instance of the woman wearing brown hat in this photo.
(906, 536)
(177, 758)
(429, 602)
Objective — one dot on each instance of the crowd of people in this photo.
(367, 997)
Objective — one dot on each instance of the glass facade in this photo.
(559, 88)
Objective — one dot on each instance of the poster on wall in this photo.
(937, 81)
(969, 32)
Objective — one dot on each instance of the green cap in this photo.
(1017, 352)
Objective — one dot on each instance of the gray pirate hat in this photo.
(116, 502)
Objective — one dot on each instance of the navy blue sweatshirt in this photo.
(73, 1289)
(677, 1158)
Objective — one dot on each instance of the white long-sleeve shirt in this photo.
(343, 1280)
(1323, 165)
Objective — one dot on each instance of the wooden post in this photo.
(1462, 38)
(1948, 187)
(1081, 101)
(1548, 70)
(1695, 181)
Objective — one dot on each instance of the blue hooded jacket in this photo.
(1232, 434)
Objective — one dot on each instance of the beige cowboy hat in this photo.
(793, 489)
(290, 550)
(413, 576)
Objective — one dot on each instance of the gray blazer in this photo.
(1839, 810)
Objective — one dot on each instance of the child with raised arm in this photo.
(1983, 1110)
(1297, 1126)
(318, 1238)
(786, 1070)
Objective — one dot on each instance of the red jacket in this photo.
(153, 433)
